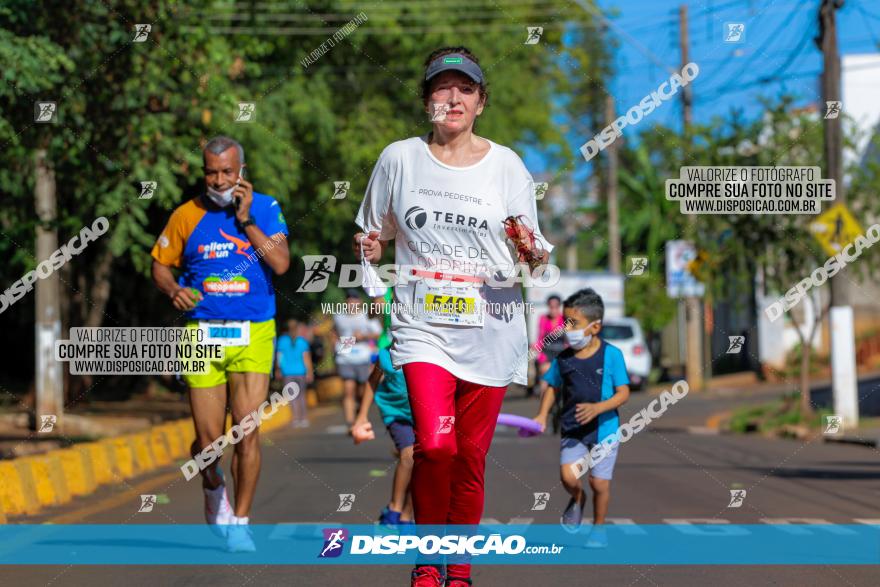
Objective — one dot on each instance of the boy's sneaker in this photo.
(389, 517)
(218, 512)
(239, 537)
(426, 576)
(598, 538)
(571, 517)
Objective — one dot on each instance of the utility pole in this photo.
(614, 253)
(832, 126)
(570, 225)
(844, 376)
(693, 304)
(49, 385)
(686, 100)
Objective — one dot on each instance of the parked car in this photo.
(626, 334)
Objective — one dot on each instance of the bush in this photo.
(774, 417)
(818, 363)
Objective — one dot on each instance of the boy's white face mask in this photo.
(578, 339)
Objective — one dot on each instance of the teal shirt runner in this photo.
(391, 396)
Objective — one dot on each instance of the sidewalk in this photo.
(703, 412)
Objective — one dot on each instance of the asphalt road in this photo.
(660, 476)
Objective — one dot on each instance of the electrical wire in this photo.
(312, 31)
(759, 52)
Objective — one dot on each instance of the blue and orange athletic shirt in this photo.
(218, 259)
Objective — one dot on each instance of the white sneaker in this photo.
(218, 512)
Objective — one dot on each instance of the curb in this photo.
(14, 500)
(30, 484)
(869, 442)
(77, 472)
(694, 430)
(713, 422)
(121, 457)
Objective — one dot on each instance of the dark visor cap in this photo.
(456, 62)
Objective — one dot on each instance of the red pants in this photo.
(449, 457)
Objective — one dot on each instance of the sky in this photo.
(778, 44)
(777, 55)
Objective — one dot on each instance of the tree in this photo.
(131, 112)
(780, 247)
(734, 248)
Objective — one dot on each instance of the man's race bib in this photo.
(449, 304)
(226, 332)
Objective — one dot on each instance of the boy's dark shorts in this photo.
(402, 434)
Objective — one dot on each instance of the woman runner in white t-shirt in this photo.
(458, 329)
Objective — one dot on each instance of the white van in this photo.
(626, 334)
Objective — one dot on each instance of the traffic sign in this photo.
(835, 228)
(680, 282)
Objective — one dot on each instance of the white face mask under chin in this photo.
(223, 198)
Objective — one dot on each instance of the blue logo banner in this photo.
(296, 544)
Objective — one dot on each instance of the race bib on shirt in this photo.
(226, 332)
(449, 304)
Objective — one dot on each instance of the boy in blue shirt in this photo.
(591, 377)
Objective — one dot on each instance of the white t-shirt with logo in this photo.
(450, 219)
(346, 325)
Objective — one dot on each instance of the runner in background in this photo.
(444, 199)
(208, 239)
(294, 364)
(387, 386)
(352, 333)
(551, 342)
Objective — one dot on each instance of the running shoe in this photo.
(459, 582)
(389, 517)
(426, 576)
(571, 517)
(598, 538)
(239, 538)
(218, 512)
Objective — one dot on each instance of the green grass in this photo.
(773, 417)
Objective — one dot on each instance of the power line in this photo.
(712, 8)
(624, 35)
(650, 23)
(326, 17)
(712, 41)
(768, 79)
(759, 52)
(758, 82)
(361, 6)
(323, 31)
(865, 11)
(776, 75)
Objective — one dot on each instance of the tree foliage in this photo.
(129, 112)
